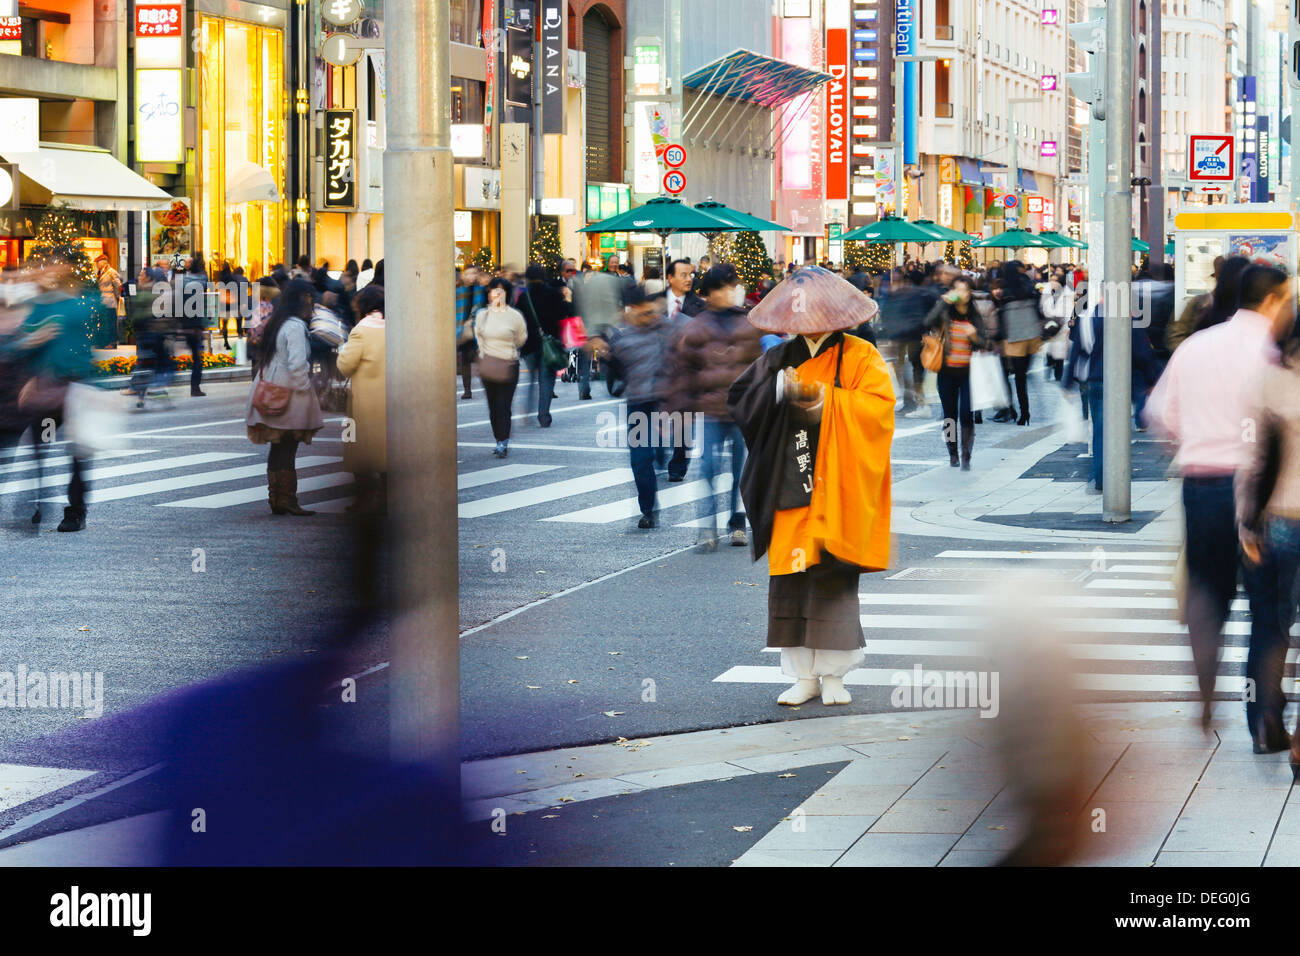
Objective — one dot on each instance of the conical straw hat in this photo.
(810, 302)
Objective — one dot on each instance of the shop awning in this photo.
(970, 171)
(1028, 181)
(754, 77)
(82, 177)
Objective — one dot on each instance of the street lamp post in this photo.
(899, 60)
(424, 682)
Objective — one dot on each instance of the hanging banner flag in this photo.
(905, 35)
(554, 59)
(883, 161)
(493, 55)
(837, 100)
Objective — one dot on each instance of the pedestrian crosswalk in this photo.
(1117, 611)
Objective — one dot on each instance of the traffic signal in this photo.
(1091, 86)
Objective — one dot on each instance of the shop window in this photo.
(467, 22)
(241, 120)
(466, 100)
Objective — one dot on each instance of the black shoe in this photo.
(1023, 419)
(585, 398)
(466, 394)
(73, 520)
(647, 522)
(1269, 736)
(676, 477)
(979, 418)
(1004, 416)
(965, 465)
(196, 393)
(544, 424)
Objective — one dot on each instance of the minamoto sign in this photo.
(837, 113)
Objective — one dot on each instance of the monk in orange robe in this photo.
(817, 413)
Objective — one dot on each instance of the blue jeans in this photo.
(1271, 587)
(642, 451)
(542, 388)
(717, 431)
(1092, 410)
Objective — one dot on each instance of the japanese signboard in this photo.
(158, 20)
(1211, 159)
(340, 159)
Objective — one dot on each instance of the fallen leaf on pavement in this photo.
(742, 829)
(533, 686)
(571, 682)
(785, 776)
(614, 713)
(524, 658)
(997, 828)
(904, 738)
(566, 800)
(83, 628)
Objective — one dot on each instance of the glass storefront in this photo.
(242, 109)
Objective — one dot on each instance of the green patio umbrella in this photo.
(742, 219)
(1015, 239)
(664, 216)
(890, 229)
(1065, 242)
(943, 233)
(1141, 245)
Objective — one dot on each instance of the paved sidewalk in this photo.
(927, 789)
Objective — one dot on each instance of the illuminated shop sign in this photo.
(340, 160)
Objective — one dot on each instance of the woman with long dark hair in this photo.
(957, 322)
(1226, 296)
(1020, 326)
(282, 409)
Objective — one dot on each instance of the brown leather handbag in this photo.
(270, 400)
(932, 352)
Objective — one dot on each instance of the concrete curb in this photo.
(237, 373)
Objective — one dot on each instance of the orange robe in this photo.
(850, 508)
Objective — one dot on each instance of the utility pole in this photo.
(424, 686)
(1117, 404)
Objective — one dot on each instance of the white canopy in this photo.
(82, 177)
(248, 182)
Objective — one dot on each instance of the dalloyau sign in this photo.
(553, 66)
(837, 108)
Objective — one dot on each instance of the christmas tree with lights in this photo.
(58, 239)
(856, 255)
(965, 258)
(879, 257)
(545, 247)
(482, 260)
(749, 256)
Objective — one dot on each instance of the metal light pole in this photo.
(1014, 170)
(899, 210)
(1117, 404)
(424, 686)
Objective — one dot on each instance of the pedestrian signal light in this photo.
(1090, 87)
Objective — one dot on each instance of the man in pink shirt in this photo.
(1203, 403)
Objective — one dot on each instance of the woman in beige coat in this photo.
(362, 359)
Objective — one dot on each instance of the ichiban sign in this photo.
(340, 164)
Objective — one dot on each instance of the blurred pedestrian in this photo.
(707, 354)
(283, 410)
(362, 359)
(470, 297)
(1204, 401)
(634, 352)
(192, 319)
(545, 304)
(499, 332)
(1020, 329)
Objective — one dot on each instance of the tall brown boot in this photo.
(275, 492)
(289, 497)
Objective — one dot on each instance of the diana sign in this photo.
(553, 66)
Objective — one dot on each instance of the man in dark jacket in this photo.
(902, 313)
(192, 319)
(680, 305)
(708, 353)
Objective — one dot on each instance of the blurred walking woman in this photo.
(362, 359)
(955, 320)
(499, 331)
(283, 410)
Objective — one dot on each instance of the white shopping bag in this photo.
(93, 419)
(1071, 419)
(988, 386)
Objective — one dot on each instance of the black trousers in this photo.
(1020, 371)
(194, 341)
(500, 399)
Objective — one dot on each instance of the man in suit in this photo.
(682, 304)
